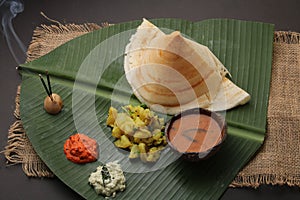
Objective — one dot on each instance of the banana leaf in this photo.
(87, 72)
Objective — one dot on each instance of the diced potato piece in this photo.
(158, 142)
(139, 122)
(142, 133)
(161, 147)
(153, 155)
(112, 115)
(130, 108)
(154, 123)
(143, 152)
(157, 134)
(142, 147)
(134, 152)
(123, 142)
(145, 115)
(148, 141)
(137, 140)
(161, 121)
(125, 123)
(139, 109)
(116, 132)
(118, 143)
(164, 140)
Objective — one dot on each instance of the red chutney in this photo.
(80, 149)
(194, 133)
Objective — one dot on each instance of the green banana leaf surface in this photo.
(87, 72)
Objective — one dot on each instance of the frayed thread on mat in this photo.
(287, 37)
(61, 29)
(18, 145)
(15, 143)
(69, 30)
(265, 179)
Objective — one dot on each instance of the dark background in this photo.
(14, 184)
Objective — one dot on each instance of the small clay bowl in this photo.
(196, 133)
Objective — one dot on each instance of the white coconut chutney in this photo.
(108, 179)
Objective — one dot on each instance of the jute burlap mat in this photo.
(278, 161)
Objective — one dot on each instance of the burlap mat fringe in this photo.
(15, 143)
(18, 145)
(287, 37)
(264, 179)
(70, 31)
(60, 29)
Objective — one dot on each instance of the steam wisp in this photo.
(8, 11)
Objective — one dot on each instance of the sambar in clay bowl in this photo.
(196, 133)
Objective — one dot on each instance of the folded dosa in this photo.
(172, 73)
